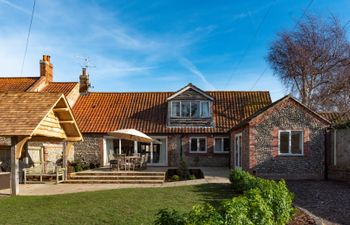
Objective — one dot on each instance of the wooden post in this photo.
(14, 168)
(16, 152)
(67, 147)
(120, 146)
(135, 147)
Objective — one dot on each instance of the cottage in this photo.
(284, 139)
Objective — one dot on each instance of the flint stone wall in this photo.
(89, 150)
(309, 166)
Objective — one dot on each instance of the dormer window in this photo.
(190, 109)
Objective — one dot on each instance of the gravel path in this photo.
(329, 200)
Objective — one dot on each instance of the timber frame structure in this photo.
(36, 117)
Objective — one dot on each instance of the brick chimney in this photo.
(46, 68)
(84, 82)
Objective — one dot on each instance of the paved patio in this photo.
(211, 175)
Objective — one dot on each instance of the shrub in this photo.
(78, 168)
(183, 169)
(278, 197)
(175, 178)
(192, 177)
(204, 215)
(236, 211)
(275, 194)
(241, 180)
(259, 211)
(168, 217)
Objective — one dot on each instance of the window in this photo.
(291, 142)
(190, 109)
(185, 109)
(175, 109)
(195, 109)
(221, 145)
(205, 109)
(198, 145)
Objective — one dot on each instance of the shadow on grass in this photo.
(214, 194)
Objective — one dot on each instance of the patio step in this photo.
(114, 181)
(117, 177)
(113, 177)
(119, 173)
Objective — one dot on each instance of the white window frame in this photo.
(222, 140)
(237, 161)
(200, 111)
(171, 109)
(290, 143)
(198, 152)
(190, 101)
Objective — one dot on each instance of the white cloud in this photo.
(194, 70)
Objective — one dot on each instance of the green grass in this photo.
(121, 206)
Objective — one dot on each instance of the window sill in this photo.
(291, 155)
(198, 152)
(227, 152)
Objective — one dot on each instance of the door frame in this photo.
(237, 163)
(166, 151)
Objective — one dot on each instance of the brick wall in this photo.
(209, 159)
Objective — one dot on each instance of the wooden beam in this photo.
(66, 121)
(61, 110)
(74, 139)
(19, 146)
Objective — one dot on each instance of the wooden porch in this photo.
(35, 117)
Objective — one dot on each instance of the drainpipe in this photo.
(335, 147)
(326, 148)
(181, 150)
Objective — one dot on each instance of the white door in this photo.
(238, 151)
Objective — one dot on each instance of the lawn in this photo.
(121, 206)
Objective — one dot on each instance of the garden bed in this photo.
(175, 175)
(301, 218)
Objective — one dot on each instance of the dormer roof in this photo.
(190, 86)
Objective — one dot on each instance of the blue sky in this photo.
(154, 45)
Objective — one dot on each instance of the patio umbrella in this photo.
(133, 135)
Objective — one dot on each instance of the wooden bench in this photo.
(38, 172)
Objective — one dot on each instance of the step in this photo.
(114, 181)
(119, 177)
(127, 173)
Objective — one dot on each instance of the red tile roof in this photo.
(147, 111)
(16, 84)
(60, 87)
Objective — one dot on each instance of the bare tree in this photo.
(313, 62)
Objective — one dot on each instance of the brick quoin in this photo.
(275, 141)
(306, 141)
(252, 143)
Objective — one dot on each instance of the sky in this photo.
(154, 45)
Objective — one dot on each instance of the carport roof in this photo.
(40, 115)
